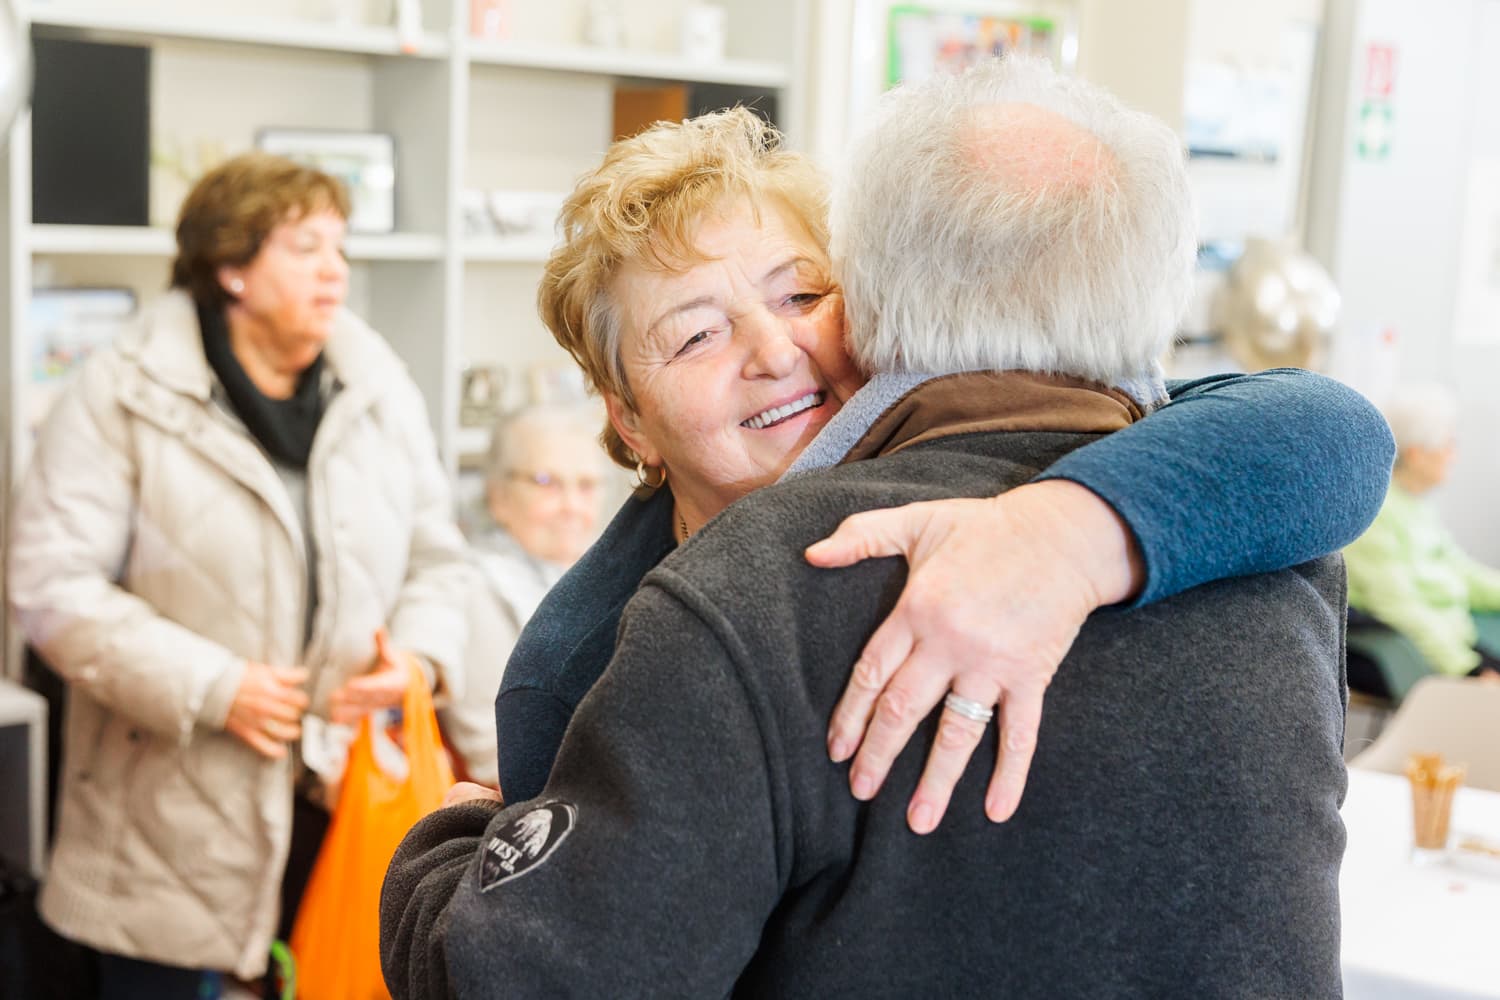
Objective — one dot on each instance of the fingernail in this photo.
(864, 786)
(921, 818)
(838, 750)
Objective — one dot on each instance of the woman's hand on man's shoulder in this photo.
(997, 590)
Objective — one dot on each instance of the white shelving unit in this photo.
(581, 59)
(146, 28)
(150, 241)
(530, 113)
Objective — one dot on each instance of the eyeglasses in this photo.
(554, 485)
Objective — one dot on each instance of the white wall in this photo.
(1390, 228)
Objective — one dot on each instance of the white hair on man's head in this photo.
(1422, 415)
(1013, 218)
(577, 421)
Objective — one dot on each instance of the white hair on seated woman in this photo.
(563, 422)
(995, 179)
(1422, 415)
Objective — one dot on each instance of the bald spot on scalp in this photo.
(1033, 150)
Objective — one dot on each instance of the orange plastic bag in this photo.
(336, 936)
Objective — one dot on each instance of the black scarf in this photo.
(284, 427)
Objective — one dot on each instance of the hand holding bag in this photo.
(336, 937)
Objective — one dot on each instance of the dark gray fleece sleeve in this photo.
(423, 876)
(659, 862)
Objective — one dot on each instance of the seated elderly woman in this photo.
(694, 287)
(1407, 570)
(1181, 836)
(544, 476)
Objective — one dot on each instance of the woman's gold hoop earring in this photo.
(642, 483)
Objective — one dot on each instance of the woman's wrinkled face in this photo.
(736, 362)
(296, 285)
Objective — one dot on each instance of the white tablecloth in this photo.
(1410, 931)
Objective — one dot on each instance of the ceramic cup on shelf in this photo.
(604, 24)
(705, 32)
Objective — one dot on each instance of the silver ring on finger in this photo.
(968, 708)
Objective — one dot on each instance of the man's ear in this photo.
(627, 424)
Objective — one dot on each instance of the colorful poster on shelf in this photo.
(923, 41)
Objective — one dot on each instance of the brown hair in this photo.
(644, 204)
(233, 208)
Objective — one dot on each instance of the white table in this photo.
(1416, 931)
(23, 775)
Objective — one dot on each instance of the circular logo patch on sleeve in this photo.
(524, 843)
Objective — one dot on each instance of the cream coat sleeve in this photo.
(429, 615)
(70, 535)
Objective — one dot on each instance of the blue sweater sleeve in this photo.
(1241, 474)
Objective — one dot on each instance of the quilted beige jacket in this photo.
(153, 550)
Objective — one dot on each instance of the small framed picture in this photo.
(481, 395)
(66, 326)
(364, 161)
(925, 39)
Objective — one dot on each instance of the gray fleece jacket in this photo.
(1179, 835)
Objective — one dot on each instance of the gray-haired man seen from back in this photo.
(1026, 244)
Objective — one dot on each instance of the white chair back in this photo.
(1457, 717)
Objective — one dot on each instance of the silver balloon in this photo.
(15, 67)
(1277, 308)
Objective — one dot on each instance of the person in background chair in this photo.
(544, 487)
(1407, 571)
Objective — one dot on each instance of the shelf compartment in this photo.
(134, 241)
(626, 63)
(497, 250)
(118, 25)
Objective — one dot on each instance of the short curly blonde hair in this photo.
(643, 204)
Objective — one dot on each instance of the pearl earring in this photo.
(236, 286)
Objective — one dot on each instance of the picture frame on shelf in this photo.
(481, 395)
(364, 161)
(65, 326)
(559, 382)
(924, 39)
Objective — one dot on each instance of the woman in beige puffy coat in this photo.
(221, 512)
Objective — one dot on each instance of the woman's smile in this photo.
(778, 414)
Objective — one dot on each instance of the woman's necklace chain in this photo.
(682, 527)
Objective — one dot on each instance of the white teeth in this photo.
(778, 413)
